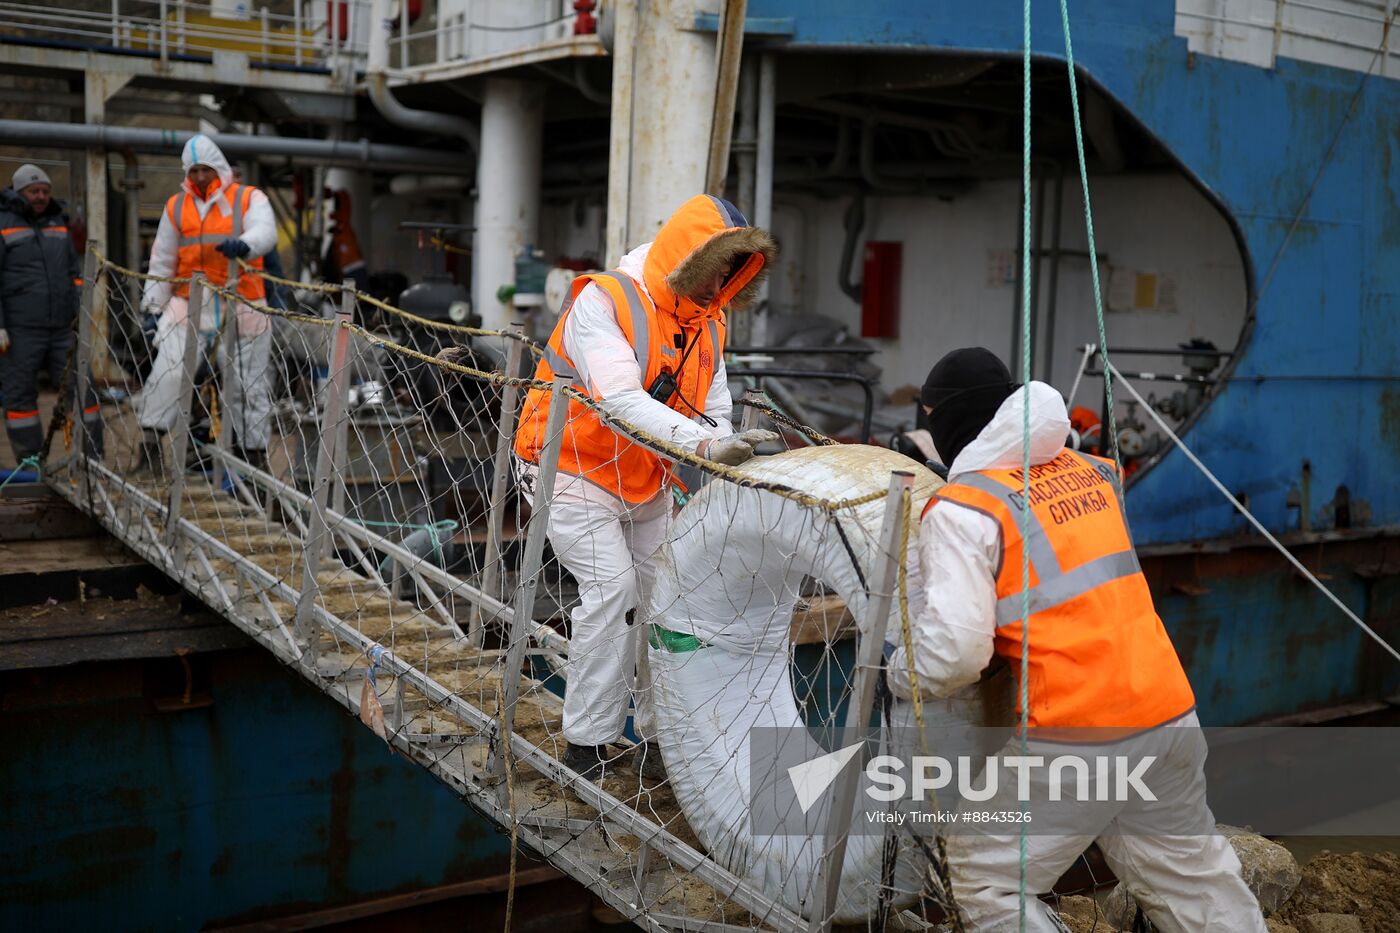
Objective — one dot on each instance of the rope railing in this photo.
(672, 451)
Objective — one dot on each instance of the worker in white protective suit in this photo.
(1103, 678)
(646, 341)
(209, 224)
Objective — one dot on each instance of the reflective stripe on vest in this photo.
(591, 449)
(1054, 586)
(641, 332)
(1098, 654)
(196, 248)
(16, 234)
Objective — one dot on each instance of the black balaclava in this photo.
(964, 389)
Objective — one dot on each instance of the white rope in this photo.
(1252, 520)
(1089, 349)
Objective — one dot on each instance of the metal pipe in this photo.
(377, 83)
(746, 140)
(180, 437)
(854, 223)
(337, 396)
(801, 351)
(624, 55)
(424, 121)
(350, 153)
(415, 183)
(131, 188)
(585, 86)
(763, 163)
(879, 595)
(83, 446)
(868, 170)
(508, 190)
(500, 475)
(729, 50)
(530, 563)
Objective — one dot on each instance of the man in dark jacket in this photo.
(39, 286)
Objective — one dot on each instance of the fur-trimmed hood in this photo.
(698, 242)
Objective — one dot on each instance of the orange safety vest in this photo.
(200, 235)
(1099, 655)
(592, 450)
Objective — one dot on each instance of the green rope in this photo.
(450, 525)
(1089, 230)
(19, 468)
(1025, 411)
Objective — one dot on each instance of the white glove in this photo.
(4, 340)
(734, 449)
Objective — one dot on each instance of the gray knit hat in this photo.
(27, 175)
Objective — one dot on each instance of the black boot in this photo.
(151, 457)
(649, 763)
(587, 760)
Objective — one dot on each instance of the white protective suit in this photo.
(1186, 879)
(247, 400)
(605, 543)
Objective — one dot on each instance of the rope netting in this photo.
(355, 497)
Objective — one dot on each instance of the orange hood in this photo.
(698, 242)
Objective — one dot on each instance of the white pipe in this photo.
(376, 82)
(423, 184)
(763, 179)
(624, 55)
(746, 141)
(508, 189)
(673, 98)
(767, 106)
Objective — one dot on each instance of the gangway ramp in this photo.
(637, 855)
(332, 552)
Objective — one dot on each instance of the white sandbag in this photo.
(730, 575)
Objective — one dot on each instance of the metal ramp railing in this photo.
(430, 607)
(597, 838)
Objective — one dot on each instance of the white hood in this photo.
(998, 446)
(200, 150)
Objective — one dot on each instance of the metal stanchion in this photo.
(82, 377)
(337, 395)
(749, 419)
(524, 609)
(230, 364)
(872, 643)
(180, 436)
(342, 427)
(495, 522)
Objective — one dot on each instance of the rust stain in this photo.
(1390, 420)
(338, 843)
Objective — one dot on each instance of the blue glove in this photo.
(234, 248)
